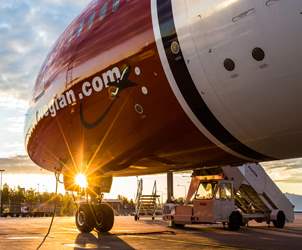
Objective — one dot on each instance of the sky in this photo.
(28, 29)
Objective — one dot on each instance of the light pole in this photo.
(184, 187)
(1, 172)
(162, 196)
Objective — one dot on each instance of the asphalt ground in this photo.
(26, 233)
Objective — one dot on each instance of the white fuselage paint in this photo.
(180, 9)
(259, 102)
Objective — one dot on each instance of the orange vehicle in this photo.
(141, 87)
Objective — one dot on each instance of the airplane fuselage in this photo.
(141, 87)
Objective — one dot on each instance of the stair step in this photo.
(151, 195)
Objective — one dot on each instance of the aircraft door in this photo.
(69, 71)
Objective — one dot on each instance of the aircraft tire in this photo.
(280, 221)
(84, 219)
(105, 217)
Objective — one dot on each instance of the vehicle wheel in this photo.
(259, 220)
(280, 221)
(136, 218)
(175, 225)
(235, 221)
(105, 217)
(84, 219)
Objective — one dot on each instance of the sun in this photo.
(81, 180)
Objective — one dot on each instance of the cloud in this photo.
(12, 116)
(28, 28)
(289, 164)
(285, 171)
(20, 165)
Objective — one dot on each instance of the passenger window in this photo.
(90, 21)
(103, 11)
(70, 39)
(78, 33)
(115, 5)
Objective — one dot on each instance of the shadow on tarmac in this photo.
(251, 237)
(103, 241)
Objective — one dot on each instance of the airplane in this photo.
(143, 87)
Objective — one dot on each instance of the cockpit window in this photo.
(39, 88)
(103, 11)
(115, 5)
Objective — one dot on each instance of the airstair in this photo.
(233, 195)
(256, 193)
(146, 204)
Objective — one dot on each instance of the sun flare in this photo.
(81, 180)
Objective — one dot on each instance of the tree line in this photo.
(28, 197)
(65, 202)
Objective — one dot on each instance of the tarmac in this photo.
(27, 233)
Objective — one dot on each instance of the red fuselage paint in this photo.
(130, 127)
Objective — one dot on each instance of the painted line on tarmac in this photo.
(24, 238)
(129, 232)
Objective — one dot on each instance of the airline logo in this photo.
(114, 79)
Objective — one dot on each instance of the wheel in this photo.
(280, 221)
(259, 220)
(235, 221)
(84, 218)
(136, 218)
(175, 225)
(105, 216)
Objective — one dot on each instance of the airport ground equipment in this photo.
(233, 196)
(146, 204)
(17, 209)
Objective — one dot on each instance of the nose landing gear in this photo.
(99, 216)
(92, 212)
